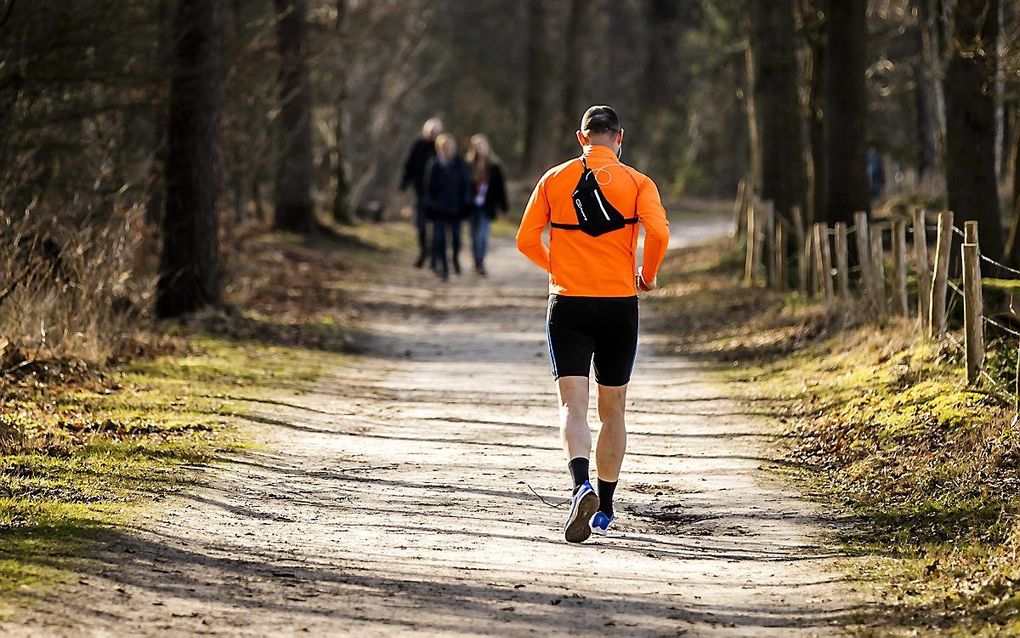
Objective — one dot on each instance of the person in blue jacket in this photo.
(447, 193)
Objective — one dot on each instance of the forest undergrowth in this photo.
(95, 428)
(880, 422)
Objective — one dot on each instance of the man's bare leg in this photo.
(611, 446)
(574, 430)
(576, 437)
(612, 442)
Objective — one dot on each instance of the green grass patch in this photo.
(83, 448)
(882, 423)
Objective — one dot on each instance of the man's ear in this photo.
(581, 139)
(619, 137)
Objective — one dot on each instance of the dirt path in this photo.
(394, 497)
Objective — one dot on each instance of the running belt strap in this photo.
(631, 220)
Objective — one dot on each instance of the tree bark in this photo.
(784, 176)
(534, 92)
(814, 18)
(751, 111)
(157, 166)
(931, 16)
(846, 111)
(341, 209)
(295, 210)
(572, 79)
(924, 117)
(189, 268)
(970, 121)
(1012, 250)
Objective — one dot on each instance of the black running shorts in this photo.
(581, 330)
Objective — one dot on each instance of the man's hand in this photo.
(646, 286)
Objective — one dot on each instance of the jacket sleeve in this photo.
(653, 217)
(499, 182)
(408, 177)
(427, 183)
(529, 235)
(467, 194)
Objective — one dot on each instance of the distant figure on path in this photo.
(594, 204)
(447, 195)
(422, 150)
(488, 197)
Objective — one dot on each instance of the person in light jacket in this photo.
(488, 195)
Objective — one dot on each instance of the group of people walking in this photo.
(449, 190)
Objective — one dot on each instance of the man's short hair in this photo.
(600, 120)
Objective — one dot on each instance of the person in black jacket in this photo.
(422, 151)
(488, 195)
(447, 193)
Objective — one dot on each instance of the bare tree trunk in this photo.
(572, 79)
(236, 150)
(534, 92)
(784, 176)
(294, 207)
(751, 108)
(341, 209)
(189, 269)
(157, 167)
(925, 125)
(970, 123)
(931, 16)
(846, 111)
(814, 18)
(1012, 250)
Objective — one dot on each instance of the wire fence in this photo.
(784, 250)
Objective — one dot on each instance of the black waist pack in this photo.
(595, 215)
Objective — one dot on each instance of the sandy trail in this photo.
(394, 496)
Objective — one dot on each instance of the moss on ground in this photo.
(882, 423)
(83, 447)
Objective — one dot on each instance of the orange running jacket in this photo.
(578, 264)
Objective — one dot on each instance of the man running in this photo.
(594, 204)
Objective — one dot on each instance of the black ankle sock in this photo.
(578, 470)
(606, 490)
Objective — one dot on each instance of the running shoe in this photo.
(583, 506)
(600, 523)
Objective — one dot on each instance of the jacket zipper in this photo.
(599, 200)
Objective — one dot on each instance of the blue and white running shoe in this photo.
(600, 523)
(583, 506)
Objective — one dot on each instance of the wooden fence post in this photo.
(779, 256)
(768, 217)
(808, 288)
(823, 259)
(937, 303)
(973, 312)
(803, 264)
(797, 216)
(827, 263)
(899, 245)
(878, 272)
(842, 260)
(922, 269)
(738, 209)
(751, 259)
(816, 262)
(863, 242)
